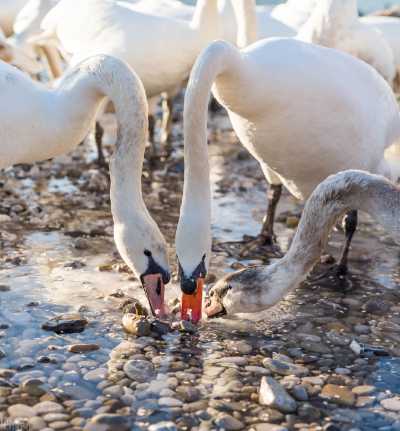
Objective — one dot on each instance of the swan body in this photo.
(8, 12)
(38, 123)
(258, 288)
(335, 24)
(160, 49)
(291, 109)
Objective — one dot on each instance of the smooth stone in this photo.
(109, 422)
(46, 407)
(188, 393)
(268, 427)
(315, 347)
(66, 324)
(284, 368)
(363, 390)
(338, 394)
(139, 370)
(169, 402)
(83, 348)
(96, 375)
(55, 417)
(36, 423)
(33, 387)
(392, 404)
(237, 360)
(229, 423)
(6, 373)
(300, 393)
(273, 394)
(365, 401)
(257, 370)
(163, 426)
(59, 425)
(21, 411)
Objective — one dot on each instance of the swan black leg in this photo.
(336, 276)
(98, 136)
(350, 227)
(266, 238)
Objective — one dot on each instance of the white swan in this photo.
(295, 113)
(257, 288)
(389, 27)
(38, 123)
(160, 49)
(8, 12)
(294, 13)
(335, 24)
(27, 26)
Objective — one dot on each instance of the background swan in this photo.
(161, 50)
(284, 113)
(38, 123)
(26, 27)
(257, 288)
(8, 11)
(335, 24)
(294, 13)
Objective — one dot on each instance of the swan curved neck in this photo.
(246, 18)
(82, 92)
(193, 237)
(346, 191)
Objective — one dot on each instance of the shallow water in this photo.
(52, 251)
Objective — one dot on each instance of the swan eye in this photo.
(147, 253)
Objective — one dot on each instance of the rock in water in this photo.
(338, 394)
(83, 348)
(136, 325)
(109, 422)
(392, 404)
(66, 324)
(273, 394)
(139, 370)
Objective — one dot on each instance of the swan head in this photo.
(247, 291)
(5, 52)
(144, 248)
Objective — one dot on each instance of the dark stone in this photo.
(66, 324)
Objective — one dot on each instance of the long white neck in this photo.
(193, 237)
(349, 190)
(80, 94)
(246, 17)
(205, 17)
(329, 20)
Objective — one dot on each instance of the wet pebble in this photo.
(338, 394)
(228, 423)
(273, 394)
(46, 407)
(285, 368)
(21, 411)
(392, 404)
(34, 387)
(139, 370)
(66, 324)
(109, 422)
(83, 348)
